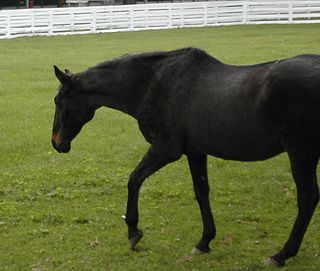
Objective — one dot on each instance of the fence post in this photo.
(93, 22)
(111, 19)
(8, 34)
(182, 16)
(50, 22)
(131, 26)
(146, 16)
(32, 21)
(244, 12)
(170, 15)
(216, 12)
(72, 20)
(205, 6)
(290, 13)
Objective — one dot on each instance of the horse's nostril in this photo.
(56, 138)
(54, 144)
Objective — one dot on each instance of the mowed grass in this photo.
(63, 212)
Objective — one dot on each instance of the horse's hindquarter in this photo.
(293, 96)
(223, 118)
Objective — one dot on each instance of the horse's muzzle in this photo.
(61, 146)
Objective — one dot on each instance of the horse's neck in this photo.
(121, 87)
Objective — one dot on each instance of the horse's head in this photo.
(73, 110)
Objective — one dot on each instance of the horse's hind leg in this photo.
(198, 168)
(304, 157)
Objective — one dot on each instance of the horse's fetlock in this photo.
(203, 247)
(131, 222)
(289, 251)
(208, 237)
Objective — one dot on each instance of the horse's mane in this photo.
(153, 56)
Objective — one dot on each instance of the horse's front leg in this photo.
(198, 168)
(151, 162)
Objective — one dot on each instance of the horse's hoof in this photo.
(197, 251)
(272, 262)
(135, 239)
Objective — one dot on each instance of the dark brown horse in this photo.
(188, 103)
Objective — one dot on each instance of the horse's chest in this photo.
(154, 117)
(152, 125)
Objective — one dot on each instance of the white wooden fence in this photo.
(81, 20)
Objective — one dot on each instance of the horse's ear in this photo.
(67, 71)
(63, 77)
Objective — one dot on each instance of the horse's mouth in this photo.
(62, 147)
(60, 144)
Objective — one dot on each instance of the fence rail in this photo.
(102, 19)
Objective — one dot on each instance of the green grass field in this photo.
(63, 212)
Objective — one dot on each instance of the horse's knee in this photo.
(132, 182)
(135, 181)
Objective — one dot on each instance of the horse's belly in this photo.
(246, 143)
(247, 151)
(238, 150)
